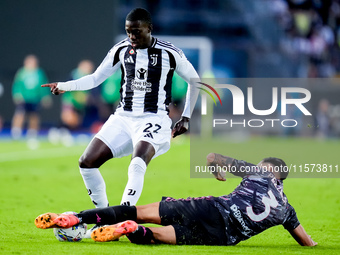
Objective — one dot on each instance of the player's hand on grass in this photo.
(180, 127)
(313, 242)
(54, 88)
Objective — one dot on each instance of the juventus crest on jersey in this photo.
(147, 75)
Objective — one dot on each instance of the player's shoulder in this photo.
(120, 45)
(168, 46)
(124, 42)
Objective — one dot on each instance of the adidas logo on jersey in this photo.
(129, 60)
(149, 135)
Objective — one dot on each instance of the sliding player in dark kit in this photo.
(257, 204)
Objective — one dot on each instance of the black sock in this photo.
(142, 235)
(108, 215)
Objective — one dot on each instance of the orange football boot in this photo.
(113, 232)
(54, 220)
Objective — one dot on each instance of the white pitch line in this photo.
(37, 154)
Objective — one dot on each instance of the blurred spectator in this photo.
(323, 123)
(321, 41)
(27, 97)
(74, 106)
(281, 12)
(310, 37)
(74, 103)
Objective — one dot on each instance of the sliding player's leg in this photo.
(137, 233)
(102, 216)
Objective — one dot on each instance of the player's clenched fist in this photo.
(54, 88)
(180, 127)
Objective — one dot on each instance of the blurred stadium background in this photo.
(262, 38)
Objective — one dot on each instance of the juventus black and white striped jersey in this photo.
(146, 76)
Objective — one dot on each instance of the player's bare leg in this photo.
(141, 156)
(148, 213)
(126, 216)
(164, 234)
(144, 150)
(96, 154)
(138, 234)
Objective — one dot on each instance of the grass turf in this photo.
(47, 179)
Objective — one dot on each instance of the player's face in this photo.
(266, 165)
(139, 34)
(270, 168)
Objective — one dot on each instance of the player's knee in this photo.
(85, 162)
(211, 157)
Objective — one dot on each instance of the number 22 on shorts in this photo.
(152, 128)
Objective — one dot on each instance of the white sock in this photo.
(95, 186)
(134, 187)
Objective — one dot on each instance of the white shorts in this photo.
(122, 133)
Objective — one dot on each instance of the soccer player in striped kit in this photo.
(141, 125)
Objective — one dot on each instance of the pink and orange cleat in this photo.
(113, 232)
(53, 220)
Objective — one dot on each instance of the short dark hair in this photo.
(139, 14)
(284, 171)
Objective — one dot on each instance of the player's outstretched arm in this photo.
(180, 127)
(224, 162)
(54, 88)
(301, 236)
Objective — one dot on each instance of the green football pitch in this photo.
(48, 179)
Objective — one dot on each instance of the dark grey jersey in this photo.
(257, 204)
